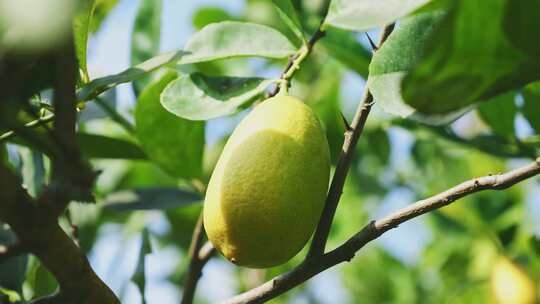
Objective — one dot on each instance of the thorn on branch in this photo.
(374, 47)
(345, 122)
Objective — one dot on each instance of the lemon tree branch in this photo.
(336, 187)
(345, 252)
(199, 254)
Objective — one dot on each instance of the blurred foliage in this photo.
(158, 170)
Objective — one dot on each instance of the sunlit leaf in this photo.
(81, 30)
(99, 85)
(236, 39)
(200, 97)
(361, 15)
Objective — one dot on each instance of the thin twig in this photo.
(374, 229)
(35, 123)
(336, 187)
(294, 61)
(197, 260)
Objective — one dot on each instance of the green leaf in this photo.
(470, 58)
(150, 199)
(200, 97)
(401, 52)
(206, 15)
(102, 9)
(531, 105)
(236, 39)
(12, 270)
(343, 46)
(146, 36)
(288, 14)
(100, 85)
(499, 114)
(174, 143)
(99, 146)
(39, 281)
(139, 276)
(81, 29)
(361, 15)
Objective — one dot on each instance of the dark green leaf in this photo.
(200, 97)
(287, 13)
(470, 58)
(150, 199)
(99, 146)
(499, 113)
(207, 15)
(401, 52)
(361, 15)
(344, 47)
(81, 29)
(176, 144)
(139, 276)
(236, 39)
(99, 85)
(531, 105)
(146, 36)
(12, 270)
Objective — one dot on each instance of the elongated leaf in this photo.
(99, 85)
(81, 30)
(206, 15)
(531, 105)
(199, 97)
(236, 39)
(288, 14)
(174, 143)
(99, 146)
(401, 53)
(146, 36)
(344, 47)
(102, 9)
(470, 58)
(139, 276)
(361, 15)
(499, 113)
(150, 198)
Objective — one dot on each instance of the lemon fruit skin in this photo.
(511, 285)
(267, 191)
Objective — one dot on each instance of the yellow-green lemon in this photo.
(511, 285)
(267, 190)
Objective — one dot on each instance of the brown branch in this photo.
(199, 254)
(336, 187)
(374, 229)
(38, 232)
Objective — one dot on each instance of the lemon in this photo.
(510, 284)
(267, 191)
